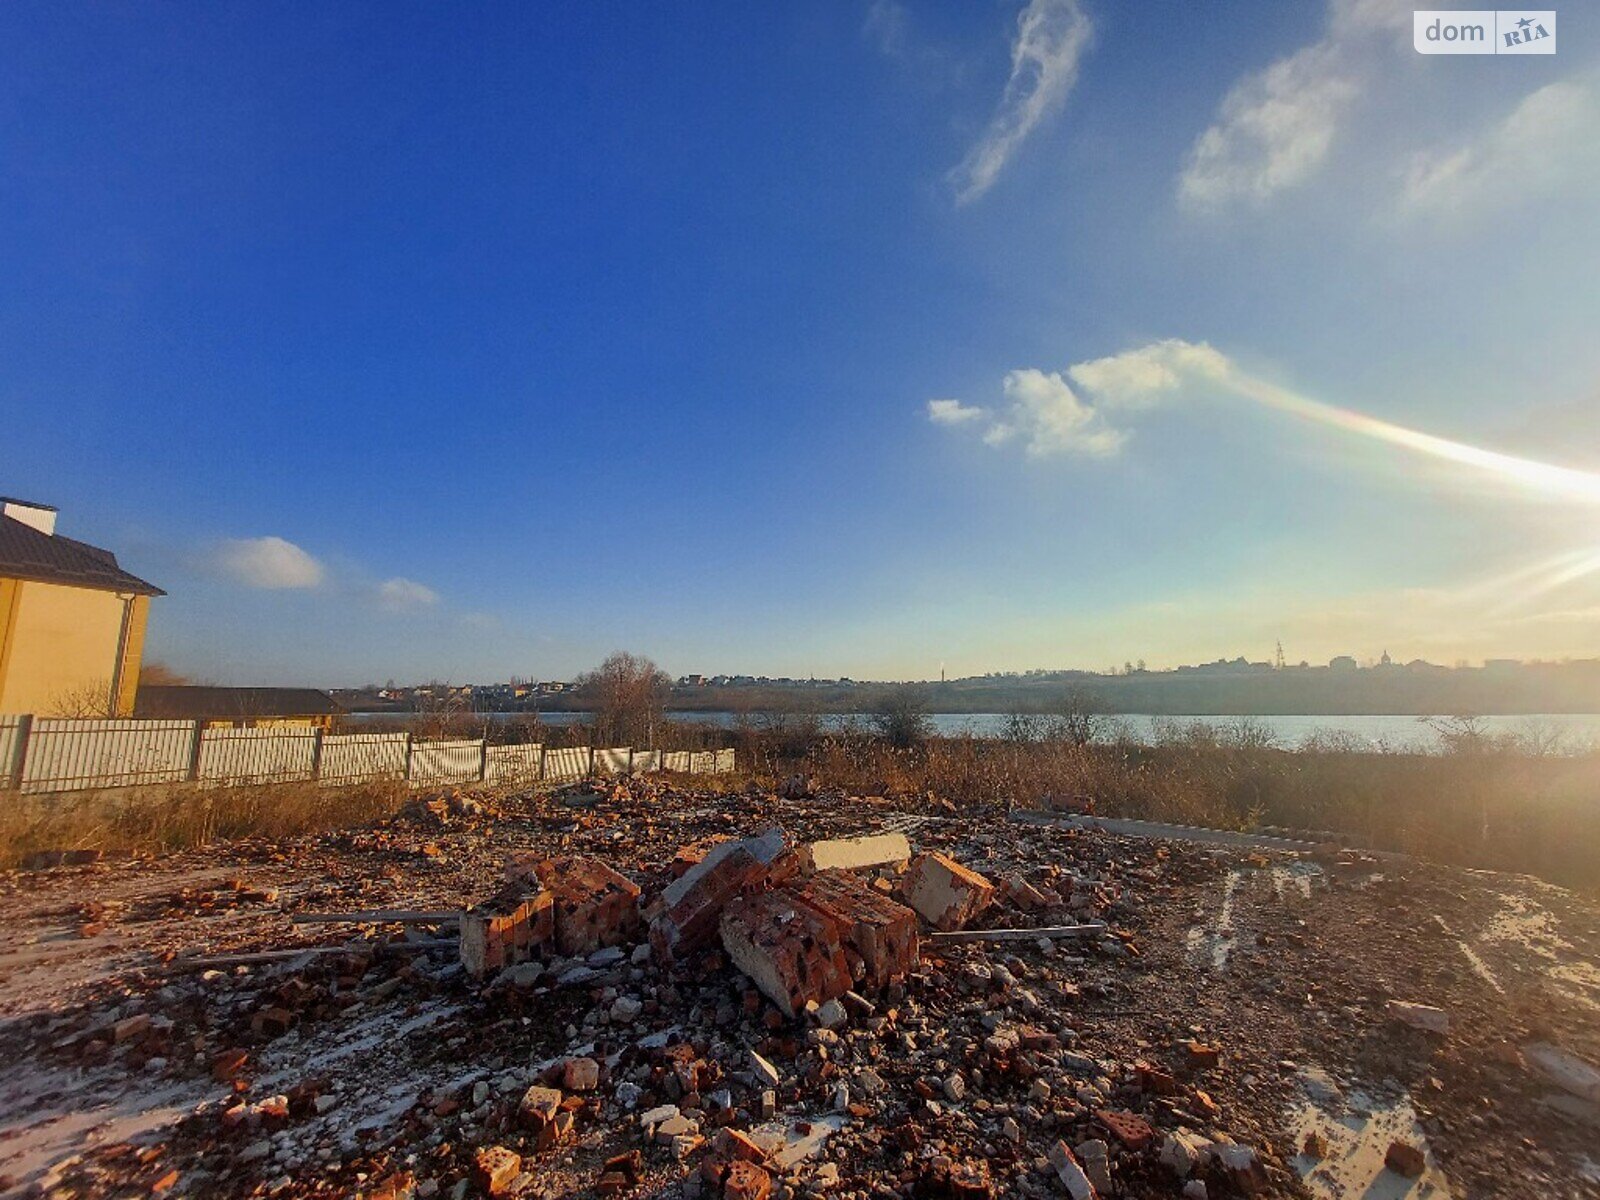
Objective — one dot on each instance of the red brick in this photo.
(1131, 1130)
(495, 1169)
(947, 894)
(692, 922)
(746, 1181)
(509, 928)
(594, 905)
(882, 934)
(791, 951)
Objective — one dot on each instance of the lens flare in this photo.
(1544, 478)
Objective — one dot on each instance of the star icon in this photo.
(1524, 23)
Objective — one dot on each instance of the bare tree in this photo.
(900, 716)
(89, 699)
(628, 695)
(158, 674)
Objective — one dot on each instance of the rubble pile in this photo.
(627, 989)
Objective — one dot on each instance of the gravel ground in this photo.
(379, 1069)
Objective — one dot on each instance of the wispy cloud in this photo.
(267, 562)
(886, 26)
(1544, 145)
(1051, 37)
(405, 595)
(953, 412)
(1275, 127)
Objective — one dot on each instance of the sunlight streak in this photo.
(1564, 482)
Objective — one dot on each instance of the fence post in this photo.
(19, 755)
(410, 743)
(316, 754)
(630, 762)
(544, 748)
(589, 774)
(194, 751)
(483, 761)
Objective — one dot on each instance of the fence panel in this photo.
(10, 748)
(677, 760)
(611, 762)
(446, 762)
(276, 754)
(725, 762)
(703, 762)
(357, 757)
(571, 762)
(645, 761)
(512, 764)
(65, 755)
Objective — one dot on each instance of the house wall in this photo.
(59, 649)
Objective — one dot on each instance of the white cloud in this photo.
(268, 562)
(1137, 378)
(1051, 37)
(1051, 419)
(405, 595)
(1546, 143)
(1047, 417)
(953, 412)
(1276, 127)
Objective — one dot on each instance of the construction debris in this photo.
(633, 989)
(947, 894)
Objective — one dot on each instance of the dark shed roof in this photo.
(193, 703)
(27, 553)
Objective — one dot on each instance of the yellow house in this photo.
(71, 620)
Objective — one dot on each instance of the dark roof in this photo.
(28, 553)
(187, 703)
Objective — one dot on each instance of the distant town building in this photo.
(1343, 662)
(72, 621)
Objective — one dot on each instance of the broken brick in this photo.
(1131, 1130)
(881, 933)
(495, 1169)
(595, 906)
(791, 951)
(1405, 1159)
(746, 1181)
(945, 893)
(507, 929)
(538, 1106)
(691, 922)
(733, 1144)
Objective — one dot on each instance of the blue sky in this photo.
(469, 341)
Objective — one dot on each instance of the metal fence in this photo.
(61, 755)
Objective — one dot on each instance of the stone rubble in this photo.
(673, 1005)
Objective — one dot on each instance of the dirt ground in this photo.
(135, 1068)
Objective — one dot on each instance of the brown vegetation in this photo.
(1484, 803)
(183, 816)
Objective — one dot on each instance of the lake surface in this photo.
(1573, 732)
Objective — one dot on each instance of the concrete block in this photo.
(854, 854)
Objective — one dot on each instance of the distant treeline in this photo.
(1536, 688)
(1512, 689)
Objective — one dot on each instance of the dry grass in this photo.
(1500, 806)
(181, 817)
